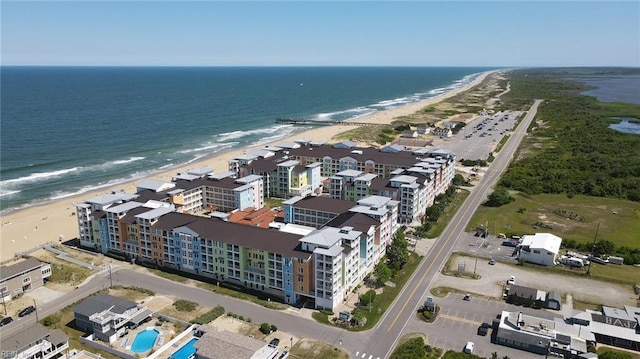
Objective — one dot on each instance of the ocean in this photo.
(68, 130)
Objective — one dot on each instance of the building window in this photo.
(26, 280)
(300, 270)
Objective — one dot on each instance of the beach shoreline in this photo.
(54, 220)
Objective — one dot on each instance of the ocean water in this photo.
(67, 130)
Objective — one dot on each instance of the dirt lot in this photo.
(494, 276)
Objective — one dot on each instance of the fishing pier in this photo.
(300, 122)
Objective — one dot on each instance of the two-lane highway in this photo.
(385, 336)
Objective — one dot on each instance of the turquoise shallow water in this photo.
(66, 130)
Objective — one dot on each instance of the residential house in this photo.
(22, 276)
(35, 342)
(108, 317)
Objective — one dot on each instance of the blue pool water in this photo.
(186, 350)
(144, 340)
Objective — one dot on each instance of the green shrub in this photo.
(182, 305)
(209, 316)
(51, 321)
(265, 328)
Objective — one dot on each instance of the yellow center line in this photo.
(455, 230)
(425, 273)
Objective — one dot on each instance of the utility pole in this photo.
(3, 303)
(593, 248)
(35, 306)
(110, 277)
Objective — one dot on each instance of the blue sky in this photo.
(304, 33)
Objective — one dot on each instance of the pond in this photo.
(627, 126)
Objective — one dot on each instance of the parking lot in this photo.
(458, 323)
(480, 136)
(492, 277)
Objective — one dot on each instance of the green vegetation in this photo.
(437, 217)
(415, 348)
(51, 321)
(609, 353)
(170, 276)
(499, 197)
(68, 273)
(570, 149)
(397, 253)
(450, 354)
(273, 202)
(209, 316)
(366, 318)
(236, 292)
(183, 305)
(382, 272)
(311, 349)
(367, 298)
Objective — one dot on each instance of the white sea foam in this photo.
(38, 176)
(5, 192)
(132, 159)
(223, 137)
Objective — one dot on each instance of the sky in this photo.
(329, 33)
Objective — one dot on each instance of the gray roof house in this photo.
(35, 341)
(108, 317)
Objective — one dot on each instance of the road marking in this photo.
(461, 320)
(371, 356)
(357, 353)
(364, 355)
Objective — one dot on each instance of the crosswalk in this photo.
(364, 355)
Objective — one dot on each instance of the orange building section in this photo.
(257, 218)
(303, 277)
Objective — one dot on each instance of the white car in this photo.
(469, 347)
(512, 280)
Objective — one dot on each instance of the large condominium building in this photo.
(378, 227)
(314, 211)
(197, 191)
(354, 173)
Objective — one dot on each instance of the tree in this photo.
(368, 297)
(614, 355)
(397, 252)
(499, 197)
(383, 272)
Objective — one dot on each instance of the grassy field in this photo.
(619, 219)
(243, 296)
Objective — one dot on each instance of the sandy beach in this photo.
(53, 221)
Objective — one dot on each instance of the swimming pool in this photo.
(186, 350)
(144, 340)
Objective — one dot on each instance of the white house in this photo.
(541, 248)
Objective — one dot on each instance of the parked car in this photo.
(5, 321)
(467, 297)
(284, 355)
(26, 311)
(274, 342)
(512, 280)
(482, 331)
(469, 347)
(492, 261)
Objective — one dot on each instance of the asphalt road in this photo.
(392, 326)
(373, 344)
